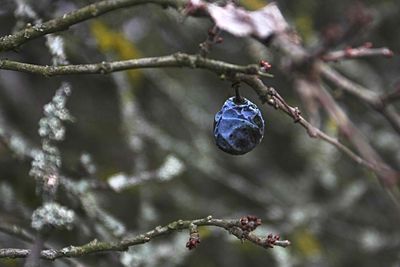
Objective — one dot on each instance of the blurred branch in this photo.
(373, 99)
(10, 42)
(169, 169)
(359, 52)
(234, 227)
(175, 60)
(88, 201)
(311, 69)
(17, 231)
(391, 96)
(14, 141)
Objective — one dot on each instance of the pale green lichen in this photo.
(171, 168)
(52, 215)
(55, 112)
(47, 161)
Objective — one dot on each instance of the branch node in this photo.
(105, 67)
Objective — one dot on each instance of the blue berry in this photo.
(238, 126)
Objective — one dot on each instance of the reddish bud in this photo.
(265, 65)
(388, 53)
(194, 240)
(271, 239)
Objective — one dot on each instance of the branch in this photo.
(234, 227)
(175, 60)
(10, 42)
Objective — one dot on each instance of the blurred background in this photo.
(154, 127)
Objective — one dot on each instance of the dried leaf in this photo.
(231, 19)
(268, 20)
(237, 21)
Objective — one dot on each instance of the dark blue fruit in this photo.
(238, 126)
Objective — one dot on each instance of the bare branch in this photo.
(13, 41)
(234, 227)
(175, 60)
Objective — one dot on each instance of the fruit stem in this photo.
(238, 98)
